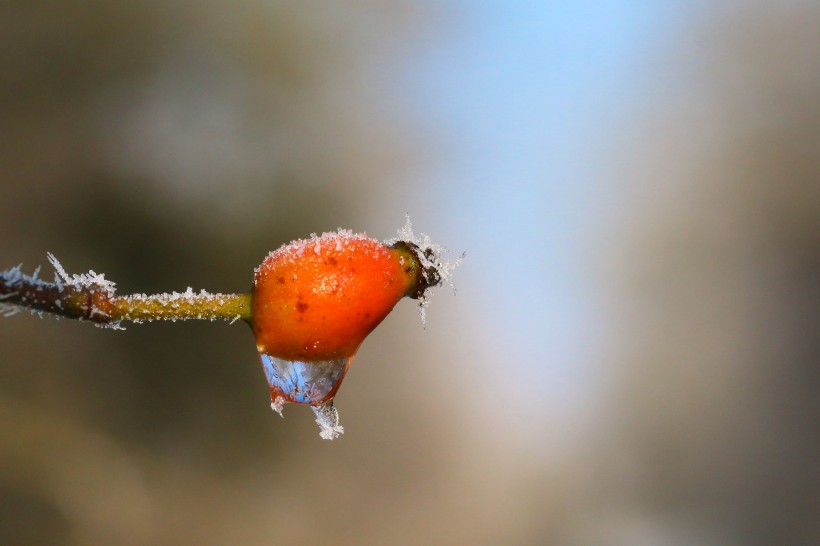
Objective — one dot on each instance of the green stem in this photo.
(182, 306)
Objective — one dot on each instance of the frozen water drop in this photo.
(327, 417)
(307, 382)
(304, 382)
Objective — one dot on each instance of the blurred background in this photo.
(631, 357)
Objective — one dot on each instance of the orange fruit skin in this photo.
(317, 299)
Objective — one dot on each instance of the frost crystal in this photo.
(91, 280)
(95, 288)
(15, 278)
(327, 417)
(181, 305)
(430, 256)
(277, 406)
(10, 278)
(337, 240)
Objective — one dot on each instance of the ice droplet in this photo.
(298, 382)
(307, 382)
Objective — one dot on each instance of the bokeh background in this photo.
(632, 355)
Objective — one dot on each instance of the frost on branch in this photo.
(188, 305)
(95, 282)
(434, 270)
(12, 278)
(75, 296)
(90, 296)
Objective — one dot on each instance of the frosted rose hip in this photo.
(317, 299)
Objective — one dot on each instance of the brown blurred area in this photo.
(715, 272)
(173, 144)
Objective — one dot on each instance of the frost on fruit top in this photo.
(337, 241)
(434, 270)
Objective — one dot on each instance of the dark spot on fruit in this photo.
(280, 280)
(367, 315)
(301, 306)
(333, 261)
(408, 269)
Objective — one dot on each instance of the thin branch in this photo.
(92, 297)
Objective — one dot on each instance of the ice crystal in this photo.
(10, 278)
(14, 279)
(337, 240)
(277, 406)
(15, 275)
(430, 257)
(91, 280)
(327, 417)
(176, 300)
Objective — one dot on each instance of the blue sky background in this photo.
(527, 99)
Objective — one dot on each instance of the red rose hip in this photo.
(317, 299)
(313, 303)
